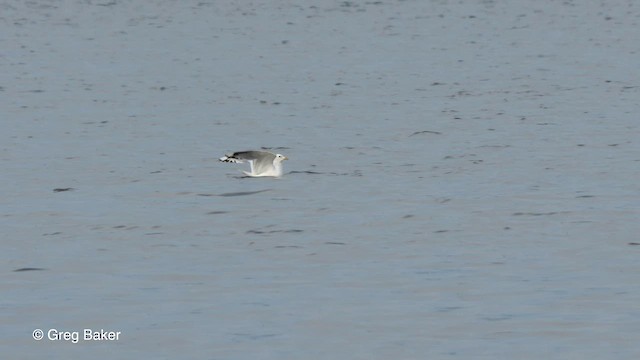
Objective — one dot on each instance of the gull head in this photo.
(280, 158)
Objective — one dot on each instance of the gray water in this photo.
(462, 182)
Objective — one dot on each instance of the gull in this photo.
(263, 163)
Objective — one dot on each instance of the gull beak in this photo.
(285, 158)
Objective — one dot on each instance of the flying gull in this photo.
(263, 163)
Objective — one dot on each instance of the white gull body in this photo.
(263, 163)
